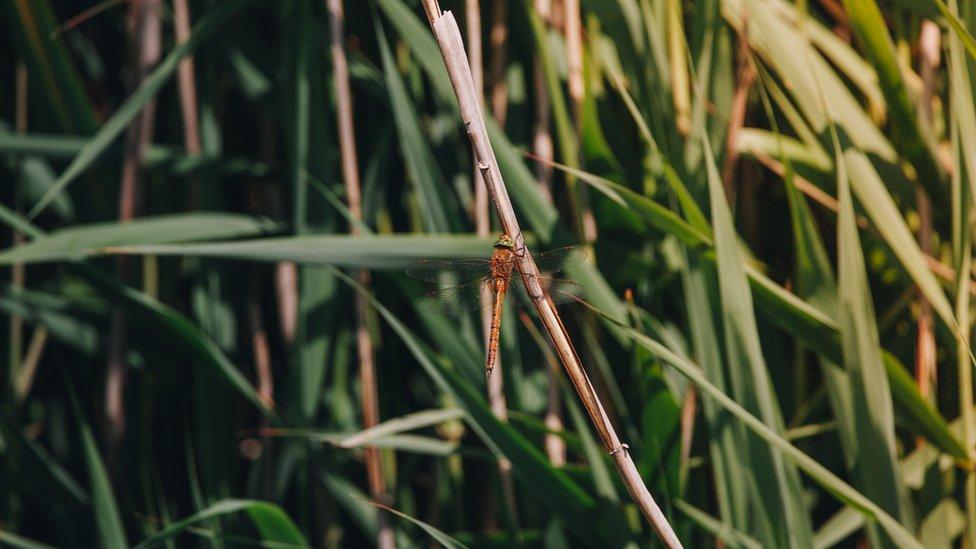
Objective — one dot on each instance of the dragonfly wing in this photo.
(553, 261)
(435, 270)
(560, 290)
(454, 299)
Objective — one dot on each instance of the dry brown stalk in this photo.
(574, 59)
(482, 219)
(497, 39)
(364, 339)
(28, 370)
(543, 147)
(187, 85)
(737, 116)
(452, 49)
(925, 358)
(145, 31)
(17, 272)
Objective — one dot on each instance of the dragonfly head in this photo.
(505, 241)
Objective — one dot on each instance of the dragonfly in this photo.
(472, 284)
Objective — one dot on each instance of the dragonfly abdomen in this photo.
(500, 285)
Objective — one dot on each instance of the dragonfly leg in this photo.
(520, 245)
(620, 447)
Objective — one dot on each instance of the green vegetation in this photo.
(776, 199)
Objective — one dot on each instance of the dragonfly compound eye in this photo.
(505, 241)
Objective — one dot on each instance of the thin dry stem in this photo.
(543, 147)
(496, 382)
(737, 116)
(925, 357)
(497, 40)
(17, 271)
(28, 370)
(452, 49)
(187, 85)
(574, 59)
(145, 33)
(542, 143)
(554, 444)
(364, 339)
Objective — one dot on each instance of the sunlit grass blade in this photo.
(271, 521)
(73, 242)
(829, 481)
(409, 422)
(375, 252)
(437, 535)
(779, 497)
(719, 529)
(874, 420)
(916, 144)
(808, 324)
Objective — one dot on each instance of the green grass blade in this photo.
(108, 522)
(874, 415)
(50, 64)
(779, 497)
(915, 143)
(719, 529)
(132, 106)
(272, 522)
(409, 422)
(422, 168)
(826, 479)
(73, 242)
(562, 496)
(374, 252)
(819, 332)
(11, 539)
(437, 535)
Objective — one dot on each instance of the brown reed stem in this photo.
(497, 41)
(925, 358)
(145, 31)
(452, 49)
(496, 383)
(187, 84)
(746, 75)
(17, 271)
(364, 339)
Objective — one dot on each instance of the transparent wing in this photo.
(435, 270)
(560, 290)
(553, 261)
(457, 298)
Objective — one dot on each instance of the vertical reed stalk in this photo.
(452, 49)
(542, 147)
(364, 340)
(746, 75)
(17, 272)
(145, 34)
(496, 383)
(574, 59)
(963, 364)
(497, 41)
(925, 357)
(187, 83)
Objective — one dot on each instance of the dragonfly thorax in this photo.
(502, 263)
